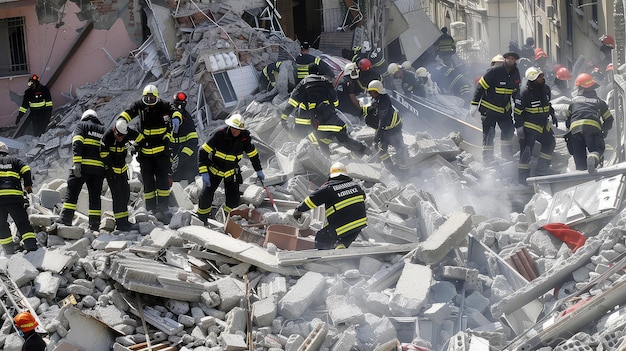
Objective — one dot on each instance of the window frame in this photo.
(8, 28)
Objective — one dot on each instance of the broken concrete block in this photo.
(180, 219)
(264, 311)
(236, 320)
(180, 197)
(68, 232)
(274, 286)
(49, 198)
(41, 220)
(294, 342)
(438, 312)
(301, 295)
(343, 313)
(164, 238)
(46, 285)
(230, 293)
(116, 245)
(232, 342)
(447, 237)
(54, 260)
(368, 265)
(443, 291)
(413, 286)
(21, 270)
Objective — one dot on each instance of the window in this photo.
(594, 12)
(236, 83)
(13, 58)
(226, 88)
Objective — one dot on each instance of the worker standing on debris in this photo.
(218, 159)
(27, 324)
(384, 117)
(305, 59)
(344, 200)
(589, 121)
(37, 97)
(532, 112)
(14, 171)
(185, 146)
(311, 91)
(492, 99)
(329, 127)
(88, 168)
(114, 147)
(157, 118)
(445, 47)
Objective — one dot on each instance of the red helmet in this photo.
(25, 321)
(585, 80)
(563, 74)
(365, 64)
(609, 67)
(607, 40)
(539, 53)
(180, 96)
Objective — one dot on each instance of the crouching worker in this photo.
(344, 200)
(12, 172)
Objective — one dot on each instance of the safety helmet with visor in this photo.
(150, 95)
(236, 121)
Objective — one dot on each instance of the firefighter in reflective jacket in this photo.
(88, 168)
(531, 114)
(344, 200)
(218, 159)
(493, 94)
(329, 127)
(37, 97)
(185, 146)
(305, 59)
(12, 172)
(114, 149)
(312, 90)
(157, 118)
(589, 121)
(382, 116)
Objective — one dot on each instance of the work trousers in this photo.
(546, 139)
(394, 138)
(583, 142)
(156, 185)
(324, 139)
(326, 238)
(120, 193)
(24, 228)
(94, 188)
(40, 119)
(187, 168)
(231, 188)
(505, 122)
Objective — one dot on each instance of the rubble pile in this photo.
(453, 257)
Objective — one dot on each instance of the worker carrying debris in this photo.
(37, 97)
(382, 116)
(218, 159)
(14, 171)
(329, 127)
(311, 91)
(114, 150)
(88, 168)
(344, 200)
(588, 121)
(532, 112)
(27, 324)
(157, 119)
(492, 99)
(305, 59)
(185, 145)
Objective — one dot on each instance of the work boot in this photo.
(126, 226)
(506, 150)
(593, 159)
(30, 244)
(522, 175)
(9, 249)
(66, 217)
(543, 167)
(94, 224)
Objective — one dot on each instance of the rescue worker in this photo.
(406, 65)
(588, 121)
(157, 118)
(388, 124)
(218, 159)
(452, 81)
(27, 324)
(430, 87)
(37, 97)
(532, 124)
(305, 59)
(366, 74)
(329, 127)
(560, 86)
(492, 99)
(347, 90)
(344, 200)
(408, 83)
(14, 172)
(497, 60)
(114, 148)
(88, 169)
(528, 49)
(445, 47)
(312, 90)
(514, 46)
(185, 145)
(269, 76)
(374, 56)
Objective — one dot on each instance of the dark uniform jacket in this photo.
(271, 72)
(114, 152)
(588, 113)
(533, 107)
(387, 116)
(33, 342)
(155, 129)
(12, 171)
(494, 89)
(86, 146)
(345, 88)
(186, 140)
(344, 201)
(220, 155)
(302, 66)
(38, 100)
(445, 44)
(308, 93)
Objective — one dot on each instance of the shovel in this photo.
(267, 191)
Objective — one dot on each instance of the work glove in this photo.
(76, 170)
(555, 122)
(473, 110)
(175, 125)
(260, 174)
(19, 117)
(297, 215)
(206, 180)
(520, 132)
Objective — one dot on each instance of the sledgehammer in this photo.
(267, 191)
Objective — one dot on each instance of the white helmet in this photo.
(338, 169)
(406, 65)
(150, 95)
(4, 149)
(377, 86)
(87, 114)
(392, 68)
(236, 121)
(121, 126)
(497, 58)
(532, 73)
(421, 72)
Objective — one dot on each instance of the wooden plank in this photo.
(293, 258)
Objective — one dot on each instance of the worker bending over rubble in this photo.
(157, 119)
(329, 127)
(218, 159)
(27, 324)
(14, 171)
(114, 149)
(344, 200)
(88, 168)
(185, 146)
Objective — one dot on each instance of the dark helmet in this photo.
(530, 41)
(314, 69)
(444, 30)
(305, 45)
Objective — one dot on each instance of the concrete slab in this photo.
(291, 258)
(53, 260)
(450, 235)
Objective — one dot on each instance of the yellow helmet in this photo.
(392, 68)
(150, 95)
